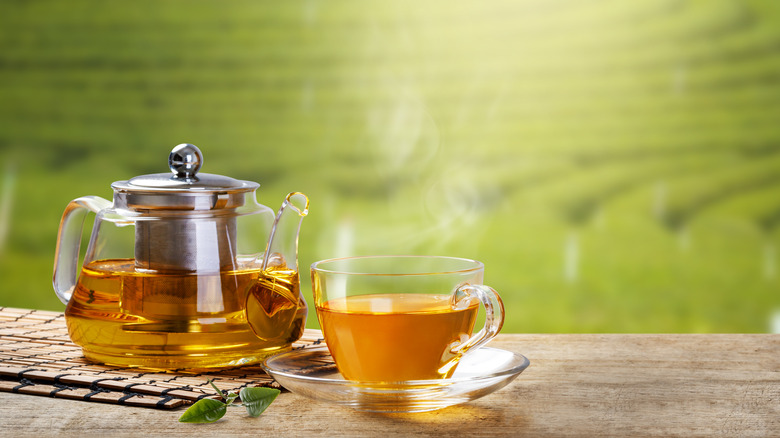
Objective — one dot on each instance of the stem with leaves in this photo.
(209, 410)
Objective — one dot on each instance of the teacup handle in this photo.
(494, 315)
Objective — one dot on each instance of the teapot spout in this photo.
(282, 249)
(274, 303)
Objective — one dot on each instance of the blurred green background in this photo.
(615, 164)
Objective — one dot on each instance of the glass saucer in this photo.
(311, 372)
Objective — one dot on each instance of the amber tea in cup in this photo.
(401, 318)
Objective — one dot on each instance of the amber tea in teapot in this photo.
(98, 319)
(182, 272)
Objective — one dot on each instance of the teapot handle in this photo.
(66, 256)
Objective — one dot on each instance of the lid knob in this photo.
(185, 161)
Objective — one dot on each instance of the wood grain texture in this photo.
(577, 385)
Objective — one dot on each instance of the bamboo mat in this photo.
(38, 358)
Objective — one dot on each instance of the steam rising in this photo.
(429, 174)
(403, 134)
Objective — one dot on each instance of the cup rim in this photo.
(476, 265)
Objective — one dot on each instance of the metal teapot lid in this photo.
(186, 189)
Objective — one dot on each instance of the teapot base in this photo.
(127, 344)
(193, 362)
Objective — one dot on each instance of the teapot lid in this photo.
(161, 190)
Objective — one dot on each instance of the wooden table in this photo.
(577, 385)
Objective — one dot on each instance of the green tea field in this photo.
(615, 164)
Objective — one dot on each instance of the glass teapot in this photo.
(182, 271)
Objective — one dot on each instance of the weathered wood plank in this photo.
(577, 385)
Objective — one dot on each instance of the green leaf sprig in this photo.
(209, 410)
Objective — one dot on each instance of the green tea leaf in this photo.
(257, 399)
(206, 410)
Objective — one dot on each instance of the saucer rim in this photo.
(513, 371)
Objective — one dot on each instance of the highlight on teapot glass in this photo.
(399, 318)
(184, 270)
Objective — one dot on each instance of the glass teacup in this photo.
(400, 318)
